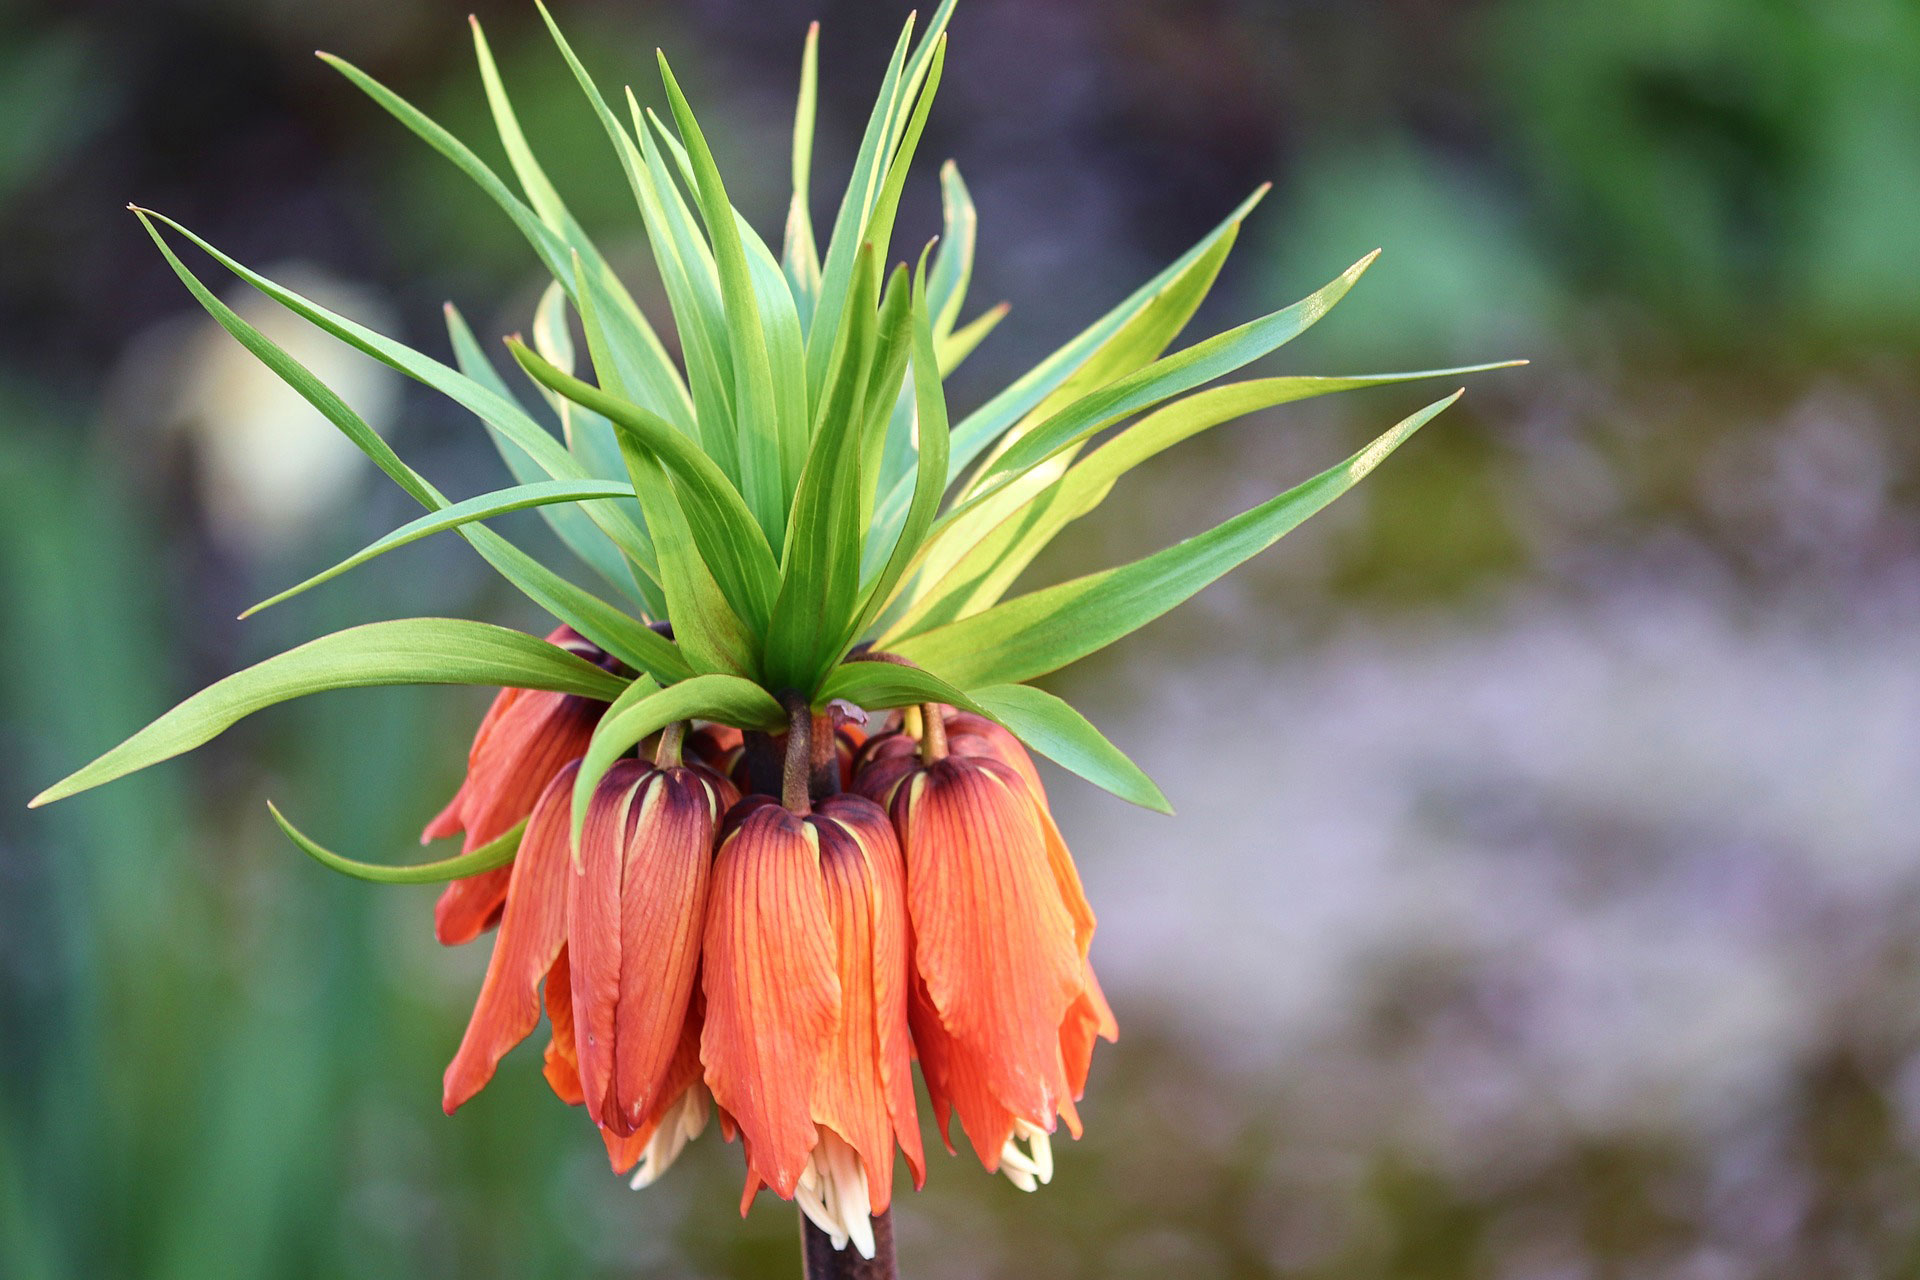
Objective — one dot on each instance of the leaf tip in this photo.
(44, 798)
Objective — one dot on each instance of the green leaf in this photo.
(552, 250)
(953, 264)
(957, 346)
(693, 288)
(610, 628)
(730, 542)
(883, 401)
(723, 698)
(484, 507)
(408, 651)
(636, 348)
(780, 325)
(570, 524)
(1144, 336)
(1043, 630)
(497, 852)
(755, 417)
(1067, 738)
(930, 414)
(878, 685)
(500, 413)
(984, 573)
(864, 185)
(800, 256)
(981, 428)
(879, 229)
(984, 425)
(820, 576)
(1166, 377)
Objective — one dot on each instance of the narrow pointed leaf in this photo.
(975, 433)
(1166, 377)
(957, 346)
(930, 412)
(497, 852)
(730, 541)
(1143, 337)
(953, 264)
(780, 330)
(1033, 634)
(408, 651)
(870, 166)
(610, 628)
(800, 255)
(484, 507)
(570, 524)
(980, 577)
(1067, 738)
(755, 412)
(499, 413)
(637, 348)
(820, 573)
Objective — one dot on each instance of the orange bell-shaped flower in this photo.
(806, 1044)
(636, 907)
(1004, 1006)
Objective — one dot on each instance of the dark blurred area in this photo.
(1545, 898)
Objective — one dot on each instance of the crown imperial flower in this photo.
(784, 529)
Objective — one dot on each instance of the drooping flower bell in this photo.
(1004, 1003)
(636, 910)
(806, 1042)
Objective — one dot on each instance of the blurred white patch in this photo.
(268, 466)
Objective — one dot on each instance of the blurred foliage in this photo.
(215, 1061)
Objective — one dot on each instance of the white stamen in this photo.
(684, 1121)
(1027, 1169)
(833, 1193)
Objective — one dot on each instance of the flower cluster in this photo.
(781, 965)
(777, 516)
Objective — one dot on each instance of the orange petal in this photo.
(523, 739)
(773, 993)
(624, 1150)
(532, 930)
(562, 1063)
(956, 1083)
(1066, 877)
(1087, 1018)
(663, 903)
(535, 736)
(992, 940)
(449, 821)
(864, 1091)
(969, 734)
(469, 907)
